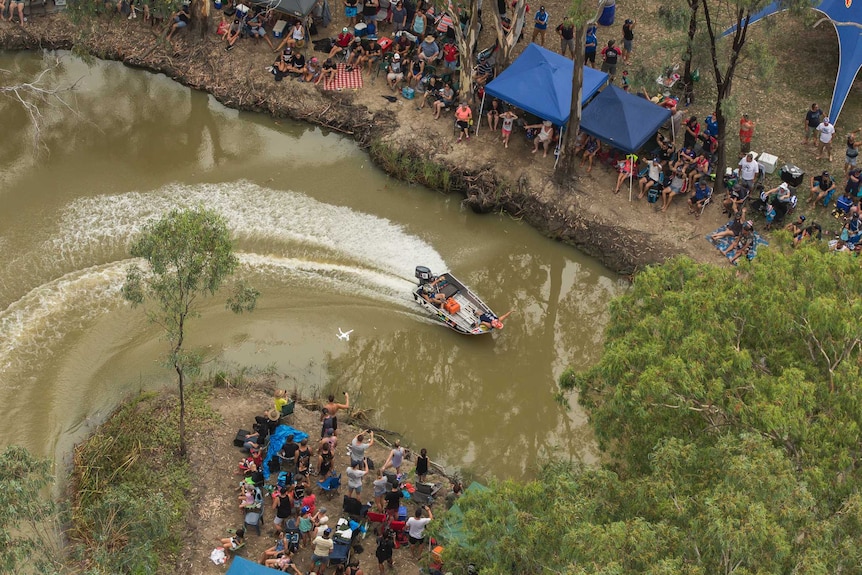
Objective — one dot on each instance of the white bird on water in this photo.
(344, 335)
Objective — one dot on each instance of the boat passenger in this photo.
(491, 321)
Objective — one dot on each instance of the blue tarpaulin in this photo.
(240, 566)
(843, 14)
(540, 82)
(623, 120)
(276, 442)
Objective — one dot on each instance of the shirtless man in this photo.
(332, 408)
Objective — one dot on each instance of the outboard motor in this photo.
(424, 275)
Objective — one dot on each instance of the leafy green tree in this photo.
(30, 521)
(189, 255)
(696, 351)
(736, 507)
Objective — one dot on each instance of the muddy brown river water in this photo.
(329, 240)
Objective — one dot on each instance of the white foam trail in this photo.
(49, 312)
(254, 214)
(33, 324)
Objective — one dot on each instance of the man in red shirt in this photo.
(746, 131)
(341, 42)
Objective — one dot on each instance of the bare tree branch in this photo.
(36, 94)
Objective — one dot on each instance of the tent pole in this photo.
(631, 176)
(479, 119)
(557, 151)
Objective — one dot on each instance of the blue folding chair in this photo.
(330, 484)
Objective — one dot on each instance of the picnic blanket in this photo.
(723, 243)
(345, 80)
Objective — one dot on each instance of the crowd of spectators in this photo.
(301, 472)
(420, 59)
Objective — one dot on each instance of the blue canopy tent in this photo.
(240, 566)
(846, 16)
(623, 120)
(540, 82)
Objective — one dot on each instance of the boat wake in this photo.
(285, 239)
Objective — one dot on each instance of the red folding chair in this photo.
(374, 517)
(397, 527)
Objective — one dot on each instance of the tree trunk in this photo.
(466, 41)
(723, 82)
(506, 42)
(182, 388)
(688, 83)
(567, 166)
(199, 16)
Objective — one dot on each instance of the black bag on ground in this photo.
(239, 440)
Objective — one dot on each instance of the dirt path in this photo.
(214, 494)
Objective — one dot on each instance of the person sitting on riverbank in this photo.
(484, 71)
(651, 178)
(544, 138)
(698, 198)
(233, 542)
(257, 29)
(373, 52)
(356, 53)
(15, 5)
(591, 148)
(283, 562)
(415, 71)
(742, 243)
(445, 101)
(341, 43)
(312, 71)
(181, 20)
(733, 228)
(328, 72)
(821, 187)
(676, 187)
(395, 72)
(429, 51)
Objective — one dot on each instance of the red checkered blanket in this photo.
(345, 80)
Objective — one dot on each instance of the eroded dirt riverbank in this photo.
(407, 143)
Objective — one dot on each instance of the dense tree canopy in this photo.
(728, 404)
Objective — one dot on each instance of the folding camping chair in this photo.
(330, 484)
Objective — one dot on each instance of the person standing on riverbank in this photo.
(416, 530)
(358, 447)
(422, 465)
(333, 409)
(355, 473)
(825, 131)
(541, 25)
(746, 132)
(812, 120)
(628, 39)
(566, 30)
(396, 457)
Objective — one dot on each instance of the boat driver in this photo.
(430, 293)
